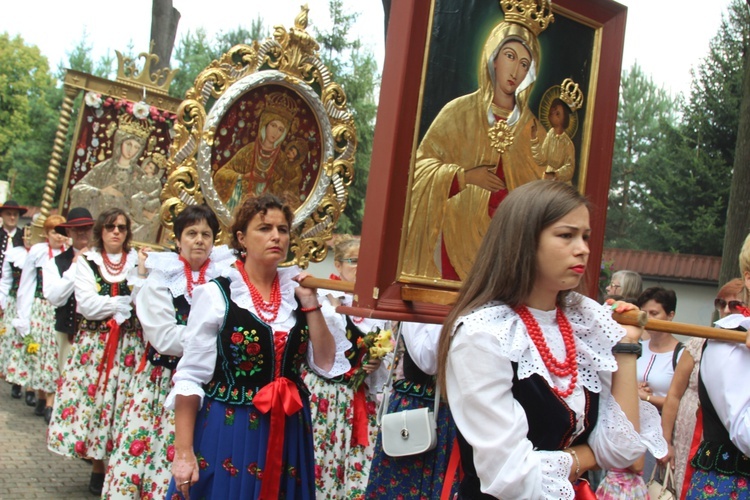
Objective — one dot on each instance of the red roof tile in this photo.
(665, 265)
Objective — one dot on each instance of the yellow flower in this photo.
(32, 348)
(2, 331)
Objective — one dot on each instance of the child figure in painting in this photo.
(557, 151)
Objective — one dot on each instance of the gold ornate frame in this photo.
(289, 59)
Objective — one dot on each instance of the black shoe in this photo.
(15, 391)
(41, 404)
(48, 414)
(30, 398)
(96, 484)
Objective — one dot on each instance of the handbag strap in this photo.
(389, 387)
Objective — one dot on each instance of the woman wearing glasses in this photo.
(679, 414)
(91, 397)
(344, 426)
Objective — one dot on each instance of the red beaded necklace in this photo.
(261, 306)
(189, 274)
(114, 269)
(49, 250)
(565, 368)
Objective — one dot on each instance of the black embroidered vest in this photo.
(66, 320)
(39, 290)
(181, 312)
(551, 425)
(17, 242)
(106, 288)
(246, 359)
(16, 273)
(717, 452)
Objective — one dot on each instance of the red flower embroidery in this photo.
(358, 467)
(84, 358)
(66, 413)
(91, 391)
(129, 360)
(709, 490)
(80, 448)
(246, 365)
(253, 349)
(135, 479)
(137, 447)
(170, 453)
(237, 338)
(110, 445)
(323, 405)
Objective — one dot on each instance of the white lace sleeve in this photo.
(340, 363)
(556, 467)
(196, 367)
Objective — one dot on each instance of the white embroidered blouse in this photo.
(479, 377)
(199, 350)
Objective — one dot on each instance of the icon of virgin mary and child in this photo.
(267, 164)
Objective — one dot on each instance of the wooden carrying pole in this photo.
(637, 318)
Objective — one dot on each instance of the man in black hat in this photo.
(58, 281)
(10, 236)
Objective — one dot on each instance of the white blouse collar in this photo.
(240, 294)
(169, 269)
(96, 257)
(594, 330)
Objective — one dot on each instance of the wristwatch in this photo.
(628, 348)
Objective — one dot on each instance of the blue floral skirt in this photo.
(230, 445)
(417, 476)
(711, 484)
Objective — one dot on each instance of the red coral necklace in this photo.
(565, 368)
(114, 269)
(261, 306)
(189, 274)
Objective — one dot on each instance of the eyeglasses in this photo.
(351, 262)
(615, 286)
(720, 304)
(120, 227)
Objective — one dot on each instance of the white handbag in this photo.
(663, 490)
(407, 432)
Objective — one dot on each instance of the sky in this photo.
(666, 37)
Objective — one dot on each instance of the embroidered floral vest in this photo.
(38, 291)
(105, 288)
(16, 273)
(354, 354)
(246, 358)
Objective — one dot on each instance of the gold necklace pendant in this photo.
(501, 136)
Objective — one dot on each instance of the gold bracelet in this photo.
(578, 462)
(648, 398)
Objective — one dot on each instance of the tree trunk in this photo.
(164, 20)
(738, 213)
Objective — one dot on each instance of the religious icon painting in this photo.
(508, 97)
(266, 118)
(120, 147)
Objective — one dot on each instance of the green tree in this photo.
(355, 69)
(643, 106)
(26, 91)
(80, 59)
(195, 52)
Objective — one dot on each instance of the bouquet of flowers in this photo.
(31, 346)
(378, 343)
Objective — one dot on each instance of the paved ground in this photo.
(27, 468)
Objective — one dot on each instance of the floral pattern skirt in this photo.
(418, 476)
(7, 333)
(711, 484)
(140, 465)
(341, 467)
(230, 445)
(89, 404)
(621, 484)
(46, 371)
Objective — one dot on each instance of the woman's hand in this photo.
(142, 256)
(644, 391)
(668, 458)
(185, 471)
(632, 333)
(482, 177)
(372, 365)
(308, 297)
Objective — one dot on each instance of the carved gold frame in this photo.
(290, 58)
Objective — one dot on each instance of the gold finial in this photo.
(131, 126)
(281, 104)
(571, 94)
(128, 72)
(300, 22)
(535, 15)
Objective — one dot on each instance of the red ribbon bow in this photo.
(110, 351)
(281, 398)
